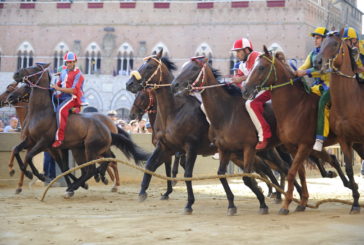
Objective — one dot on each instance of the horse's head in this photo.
(153, 72)
(191, 75)
(142, 103)
(34, 75)
(328, 50)
(3, 97)
(20, 94)
(268, 71)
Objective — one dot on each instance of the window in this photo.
(204, 50)
(160, 46)
(59, 52)
(93, 59)
(125, 59)
(25, 55)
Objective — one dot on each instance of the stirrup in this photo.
(318, 145)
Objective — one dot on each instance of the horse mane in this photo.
(354, 66)
(229, 88)
(169, 64)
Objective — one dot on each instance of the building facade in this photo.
(112, 37)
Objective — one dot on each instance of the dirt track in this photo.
(97, 216)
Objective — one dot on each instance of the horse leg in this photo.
(167, 165)
(154, 161)
(323, 155)
(348, 158)
(301, 154)
(177, 158)
(11, 164)
(191, 156)
(267, 171)
(116, 180)
(17, 149)
(20, 183)
(37, 148)
(224, 161)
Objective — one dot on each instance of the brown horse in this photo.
(347, 96)
(296, 113)
(21, 94)
(146, 102)
(86, 136)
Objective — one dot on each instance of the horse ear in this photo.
(280, 56)
(159, 55)
(266, 51)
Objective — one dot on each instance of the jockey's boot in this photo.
(57, 143)
(261, 144)
(318, 145)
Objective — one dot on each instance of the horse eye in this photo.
(261, 68)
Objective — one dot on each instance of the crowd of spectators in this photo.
(12, 126)
(132, 127)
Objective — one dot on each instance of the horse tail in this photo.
(129, 148)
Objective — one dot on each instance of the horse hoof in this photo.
(18, 190)
(12, 172)
(277, 201)
(68, 194)
(142, 197)
(164, 197)
(300, 208)
(105, 181)
(283, 211)
(97, 178)
(28, 174)
(263, 210)
(174, 183)
(85, 186)
(42, 178)
(355, 210)
(232, 211)
(188, 211)
(331, 174)
(114, 189)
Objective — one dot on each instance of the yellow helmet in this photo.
(321, 31)
(350, 33)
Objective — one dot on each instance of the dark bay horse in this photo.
(146, 102)
(180, 125)
(22, 94)
(231, 128)
(296, 113)
(347, 98)
(86, 136)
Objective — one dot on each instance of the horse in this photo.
(346, 113)
(231, 128)
(296, 113)
(86, 136)
(180, 125)
(146, 102)
(21, 94)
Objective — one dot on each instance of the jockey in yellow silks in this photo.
(320, 86)
(351, 38)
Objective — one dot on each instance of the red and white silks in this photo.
(62, 115)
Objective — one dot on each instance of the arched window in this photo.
(59, 53)
(93, 59)
(25, 55)
(204, 50)
(125, 60)
(160, 46)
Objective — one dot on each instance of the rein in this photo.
(146, 84)
(151, 103)
(202, 76)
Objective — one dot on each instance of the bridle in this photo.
(146, 83)
(26, 79)
(149, 108)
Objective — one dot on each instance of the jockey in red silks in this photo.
(70, 86)
(247, 58)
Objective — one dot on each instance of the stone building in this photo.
(112, 37)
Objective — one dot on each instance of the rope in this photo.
(208, 177)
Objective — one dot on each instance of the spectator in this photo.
(113, 115)
(149, 128)
(49, 167)
(13, 126)
(134, 126)
(142, 129)
(1, 126)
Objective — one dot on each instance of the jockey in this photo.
(247, 58)
(352, 40)
(70, 88)
(320, 86)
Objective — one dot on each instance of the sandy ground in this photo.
(97, 216)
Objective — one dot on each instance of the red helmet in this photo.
(241, 44)
(69, 56)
